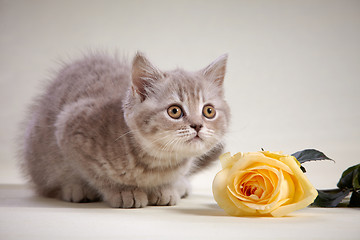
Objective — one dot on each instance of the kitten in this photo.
(130, 135)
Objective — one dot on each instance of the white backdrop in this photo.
(293, 71)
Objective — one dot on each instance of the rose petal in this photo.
(288, 189)
(258, 159)
(252, 201)
(242, 207)
(286, 209)
(245, 179)
(227, 160)
(276, 155)
(275, 198)
(269, 186)
(223, 199)
(274, 207)
(300, 176)
(304, 193)
(233, 186)
(276, 178)
(286, 192)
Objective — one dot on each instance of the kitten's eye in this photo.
(209, 111)
(175, 112)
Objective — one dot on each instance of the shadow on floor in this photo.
(208, 210)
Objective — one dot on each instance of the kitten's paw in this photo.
(183, 187)
(78, 194)
(164, 197)
(127, 199)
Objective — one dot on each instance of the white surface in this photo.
(292, 83)
(25, 216)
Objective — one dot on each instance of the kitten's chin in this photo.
(194, 147)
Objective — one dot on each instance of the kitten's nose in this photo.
(197, 127)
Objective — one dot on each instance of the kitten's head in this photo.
(177, 114)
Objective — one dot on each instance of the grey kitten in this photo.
(130, 135)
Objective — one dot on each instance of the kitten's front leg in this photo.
(125, 197)
(169, 195)
(132, 197)
(164, 196)
(183, 187)
(79, 193)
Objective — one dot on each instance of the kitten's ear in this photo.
(216, 70)
(143, 75)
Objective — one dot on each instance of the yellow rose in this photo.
(261, 184)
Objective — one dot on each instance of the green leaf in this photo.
(356, 179)
(350, 179)
(310, 155)
(355, 199)
(330, 198)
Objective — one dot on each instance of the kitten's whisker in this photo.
(167, 145)
(131, 131)
(208, 133)
(175, 144)
(182, 131)
(149, 146)
(160, 138)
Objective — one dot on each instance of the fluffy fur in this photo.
(102, 131)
